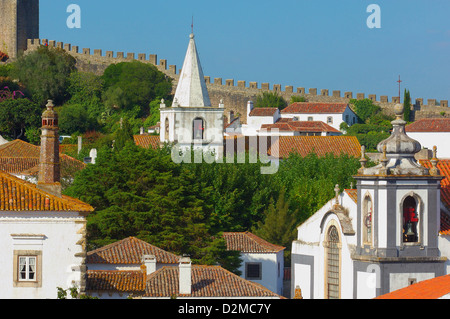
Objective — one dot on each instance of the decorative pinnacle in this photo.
(434, 161)
(50, 105)
(336, 190)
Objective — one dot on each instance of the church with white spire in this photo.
(192, 122)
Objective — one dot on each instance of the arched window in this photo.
(367, 220)
(410, 220)
(333, 263)
(198, 129)
(166, 129)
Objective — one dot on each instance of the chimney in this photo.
(249, 108)
(49, 178)
(185, 284)
(150, 263)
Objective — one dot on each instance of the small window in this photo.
(27, 268)
(410, 220)
(253, 271)
(310, 118)
(330, 120)
(199, 129)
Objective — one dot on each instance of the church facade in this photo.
(191, 122)
(383, 236)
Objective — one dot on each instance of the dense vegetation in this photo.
(87, 103)
(182, 208)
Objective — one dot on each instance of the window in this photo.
(367, 220)
(198, 129)
(27, 271)
(330, 120)
(27, 268)
(410, 220)
(332, 263)
(166, 129)
(253, 271)
(310, 118)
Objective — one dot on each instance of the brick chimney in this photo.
(185, 283)
(49, 178)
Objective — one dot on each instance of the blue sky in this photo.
(323, 44)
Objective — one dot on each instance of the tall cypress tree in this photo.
(407, 106)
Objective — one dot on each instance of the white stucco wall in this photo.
(430, 139)
(272, 266)
(55, 235)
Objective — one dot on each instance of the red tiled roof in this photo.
(147, 141)
(263, 111)
(247, 242)
(300, 126)
(129, 251)
(427, 289)
(429, 125)
(115, 281)
(321, 145)
(207, 282)
(444, 167)
(21, 157)
(314, 108)
(19, 195)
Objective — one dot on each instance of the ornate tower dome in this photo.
(398, 152)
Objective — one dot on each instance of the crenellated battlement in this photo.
(234, 93)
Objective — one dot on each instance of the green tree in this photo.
(45, 73)
(270, 99)
(17, 116)
(279, 224)
(75, 119)
(143, 193)
(365, 109)
(407, 106)
(134, 83)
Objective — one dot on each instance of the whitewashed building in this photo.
(191, 122)
(42, 233)
(262, 262)
(431, 132)
(391, 232)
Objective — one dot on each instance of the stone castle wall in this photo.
(236, 94)
(19, 21)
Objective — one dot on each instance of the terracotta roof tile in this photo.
(429, 125)
(20, 157)
(129, 251)
(314, 108)
(207, 282)
(115, 281)
(428, 289)
(19, 195)
(263, 111)
(247, 242)
(444, 167)
(301, 126)
(321, 145)
(147, 141)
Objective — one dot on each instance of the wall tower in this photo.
(19, 21)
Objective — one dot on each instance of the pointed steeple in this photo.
(191, 90)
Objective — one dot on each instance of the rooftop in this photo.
(321, 145)
(263, 111)
(314, 108)
(115, 281)
(435, 288)
(147, 141)
(207, 282)
(129, 251)
(247, 242)
(19, 195)
(429, 125)
(300, 126)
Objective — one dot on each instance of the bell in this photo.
(410, 231)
